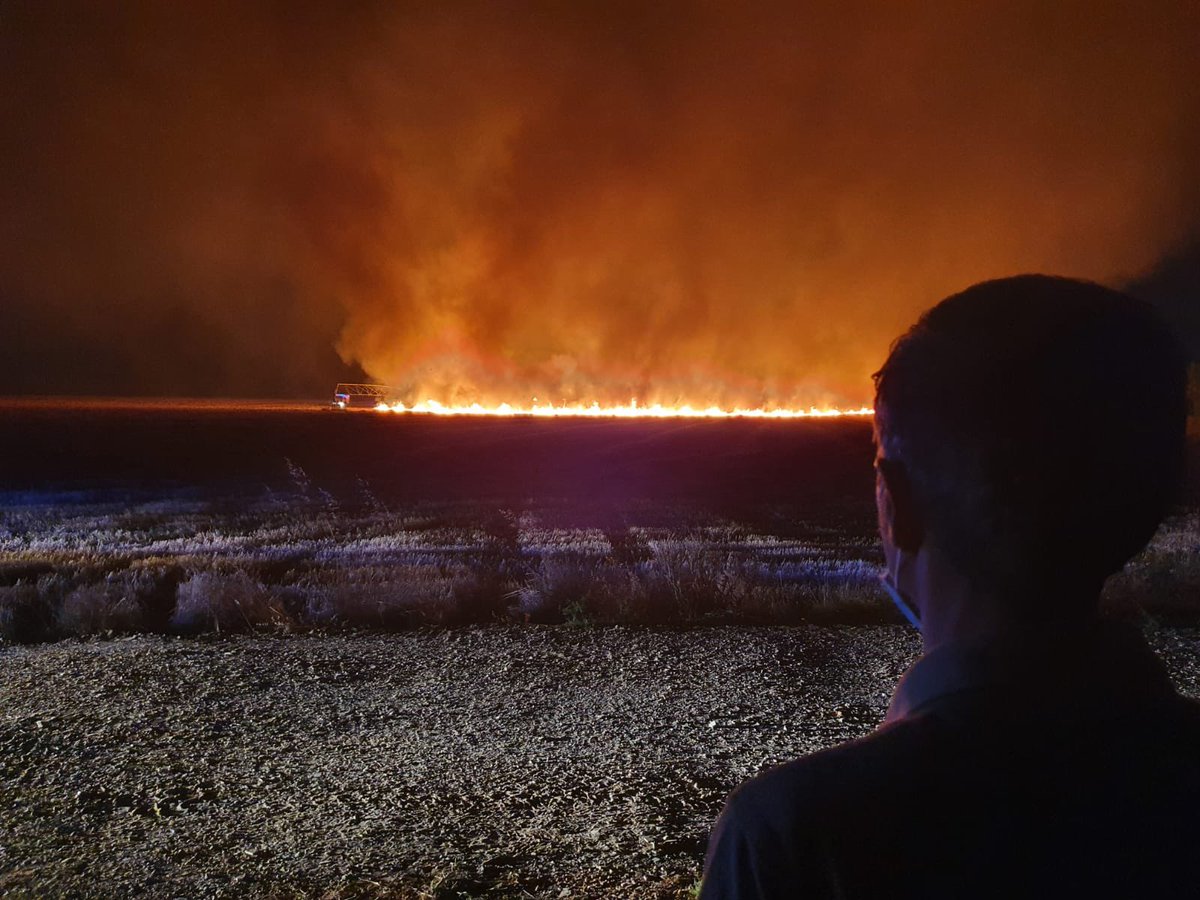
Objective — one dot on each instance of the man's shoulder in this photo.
(848, 779)
(926, 756)
(990, 787)
(777, 835)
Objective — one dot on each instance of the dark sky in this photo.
(682, 202)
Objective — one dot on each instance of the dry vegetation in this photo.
(73, 566)
(301, 560)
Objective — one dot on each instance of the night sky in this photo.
(680, 202)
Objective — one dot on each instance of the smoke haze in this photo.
(674, 202)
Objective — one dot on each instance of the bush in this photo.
(155, 583)
(26, 616)
(14, 572)
(683, 581)
(99, 608)
(479, 595)
(380, 600)
(225, 602)
(559, 588)
(140, 598)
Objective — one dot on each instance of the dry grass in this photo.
(295, 561)
(220, 601)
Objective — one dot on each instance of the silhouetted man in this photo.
(1030, 437)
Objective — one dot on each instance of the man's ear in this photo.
(899, 506)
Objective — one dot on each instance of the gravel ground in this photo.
(524, 761)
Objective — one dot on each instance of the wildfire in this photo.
(630, 411)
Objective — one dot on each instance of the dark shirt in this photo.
(1039, 767)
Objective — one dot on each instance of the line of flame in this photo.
(630, 411)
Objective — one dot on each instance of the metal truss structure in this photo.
(360, 395)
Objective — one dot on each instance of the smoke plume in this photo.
(712, 203)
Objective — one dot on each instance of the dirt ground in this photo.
(491, 761)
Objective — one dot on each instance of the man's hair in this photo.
(1041, 422)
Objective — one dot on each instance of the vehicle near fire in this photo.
(360, 396)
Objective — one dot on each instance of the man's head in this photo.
(1032, 430)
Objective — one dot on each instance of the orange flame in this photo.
(630, 411)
